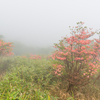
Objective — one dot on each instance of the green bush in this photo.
(26, 79)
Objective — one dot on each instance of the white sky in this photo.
(44, 22)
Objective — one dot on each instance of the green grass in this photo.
(27, 79)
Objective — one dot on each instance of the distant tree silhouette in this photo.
(1, 37)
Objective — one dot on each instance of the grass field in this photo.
(28, 79)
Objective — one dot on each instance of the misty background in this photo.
(35, 25)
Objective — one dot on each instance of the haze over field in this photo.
(43, 22)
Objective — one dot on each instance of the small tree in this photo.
(5, 48)
(77, 57)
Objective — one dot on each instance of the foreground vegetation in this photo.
(28, 79)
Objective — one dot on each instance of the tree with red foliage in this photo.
(78, 57)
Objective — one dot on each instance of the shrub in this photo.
(5, 48)
(76, 58)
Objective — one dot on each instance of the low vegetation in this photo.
(28, 79)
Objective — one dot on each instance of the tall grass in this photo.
(28, 79)
(24, 79)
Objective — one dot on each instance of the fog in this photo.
(42, 23)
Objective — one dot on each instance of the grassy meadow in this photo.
(33, 79)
